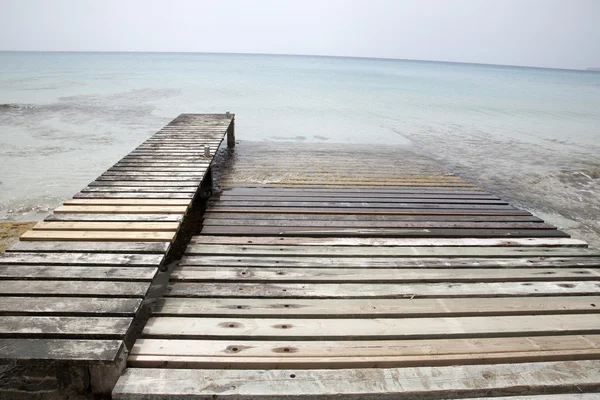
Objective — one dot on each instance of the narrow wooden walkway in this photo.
(414, 285)
(73, 286)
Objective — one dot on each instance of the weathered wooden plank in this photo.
(359, 384)
(54, 272)
(387, 275)
(114, 217)
(70, 306)
(133, 195)
(381, 290)
(90, 247)
(129, 202)
(256, 216)
(121, 209)
(108, 226)
(391, 262)
(296, 224)
(174, 180)
(158, 175)
(375, 308)
(65, 327)
(402, 242)
(379, 232)
(372, 328)
(215, 205)
(64, 288)
(140, 189)
(358, 199)
(82, 259)
(157, 169)
(368, 211)
(146, 183)
(256, 354)
(118, 236)
(232, 194)
(351, 190)
(73, 351)
(385, 251)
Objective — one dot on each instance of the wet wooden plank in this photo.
(368, 211)
(90, 247)
(381, 290)
(116, 209)
(341, 275)
(381, 232)
(384, 251)
(72, 351)
(65, 327)
(296, 224)
(391, 262)
(54, 272)
(354, 191)
(82, 259)
(107, 226)
(98, 306)
(358, 199)
(358, 384)
(64, 288)
(277, 354)
(215, 205)
(401, 242)
(372, 328)
(116, 236)
(257, 216)
(375, 308)
(114, 217)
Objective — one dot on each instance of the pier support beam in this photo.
(231, 132)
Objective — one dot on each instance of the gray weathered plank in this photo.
(91, 247)
(379, 262)
(385, 251)
(73, 351)
(98, 306)
(82, 259)
(71, 288)
(65, 327)
(56, 272)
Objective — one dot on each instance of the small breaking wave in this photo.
(16, 106)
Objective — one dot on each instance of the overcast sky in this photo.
(548, 33)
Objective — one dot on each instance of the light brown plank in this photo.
(129, 202)
(116, 209)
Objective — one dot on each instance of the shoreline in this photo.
(10, 232)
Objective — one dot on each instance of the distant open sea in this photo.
(531, 135)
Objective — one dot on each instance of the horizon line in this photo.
(589, 69)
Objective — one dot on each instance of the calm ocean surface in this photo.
(523, 132)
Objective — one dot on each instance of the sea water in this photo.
(529, 134)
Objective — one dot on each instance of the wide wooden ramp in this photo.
(73, 286)
(435, 289)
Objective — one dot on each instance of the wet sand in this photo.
(10, 232)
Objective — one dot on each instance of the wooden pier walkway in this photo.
(343, 272)
(74, 285)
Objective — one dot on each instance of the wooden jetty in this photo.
(73, 287)
(341, 272)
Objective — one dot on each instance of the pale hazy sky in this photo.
(548, 33)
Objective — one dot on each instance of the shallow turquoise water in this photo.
(75, 114)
